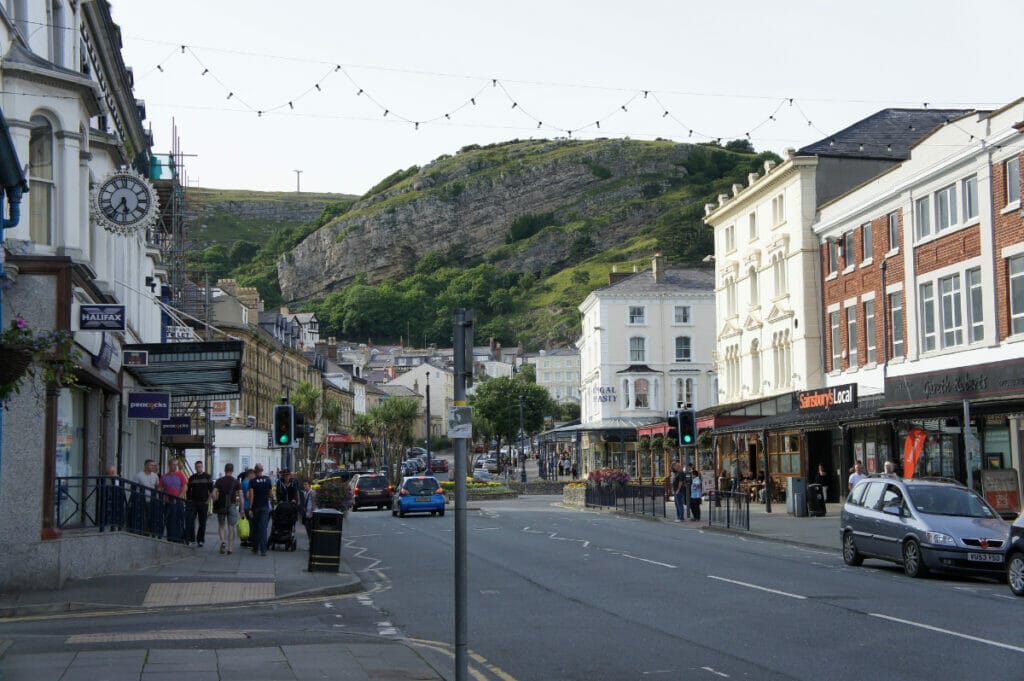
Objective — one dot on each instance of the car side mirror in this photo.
(893, 510)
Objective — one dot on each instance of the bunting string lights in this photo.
(492, 92)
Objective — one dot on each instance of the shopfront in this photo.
(936, 406)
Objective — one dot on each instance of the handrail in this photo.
(109, 503)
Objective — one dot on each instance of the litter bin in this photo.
(796, 496)
(325, 540)
(815, 500)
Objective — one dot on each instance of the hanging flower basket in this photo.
(14, 362)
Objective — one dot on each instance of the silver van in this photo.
(923, 524)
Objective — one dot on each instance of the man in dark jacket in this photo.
(197, 495)
(260, 488)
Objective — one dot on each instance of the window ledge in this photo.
(972, 222)
(1010, 207)
(866, 263)
(892, 253)
(831, 276)
(849, 268)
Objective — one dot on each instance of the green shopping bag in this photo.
(243, 528)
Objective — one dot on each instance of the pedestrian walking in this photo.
(173, 482)
(696, 492)
(197, 495)
(260, 489)
(678, 491)
(308, 506)
(688, 473)
(227, 504)
(856, 476)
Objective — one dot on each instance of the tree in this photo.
(497, 401)
(528, 373)
(388, 428)
(306, 399)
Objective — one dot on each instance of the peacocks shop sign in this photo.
(149, 406)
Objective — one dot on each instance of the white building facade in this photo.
(647, 344)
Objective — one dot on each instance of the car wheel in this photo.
(1015, 573)
(401, 512)
(850, 553)
(394, 511)
(441, 513)
(913, 563)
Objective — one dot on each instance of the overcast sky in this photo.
(536, 69)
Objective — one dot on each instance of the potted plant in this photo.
(23, 352)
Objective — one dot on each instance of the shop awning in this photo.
(191, 371)
(866, 413)
(655, 429)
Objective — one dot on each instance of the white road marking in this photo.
(759, 588)
(718, 673)
(642, 560)
(949, 632)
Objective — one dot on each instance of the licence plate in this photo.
(428, 499)
(985, 557)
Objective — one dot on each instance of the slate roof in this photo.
(672, 281)
(888, 134)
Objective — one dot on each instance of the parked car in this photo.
(923, 524)
(418, 494)
(1015, 557)
(482, 475)
(438, 465)
(487, 463)
(370, 489)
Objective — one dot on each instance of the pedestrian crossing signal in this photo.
(284, 425)
(686, 426)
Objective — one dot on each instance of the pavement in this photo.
(211, 577)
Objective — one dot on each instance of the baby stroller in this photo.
(282, 526)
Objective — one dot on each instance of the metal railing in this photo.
(106, 504)
(729, 509)
(638, 499)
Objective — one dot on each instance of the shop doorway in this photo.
(821, 452)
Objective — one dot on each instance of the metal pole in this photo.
(429, 468)
(522, 454)
(767, 473)
(968, 444)
(463, 321)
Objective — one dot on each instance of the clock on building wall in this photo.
(124, 202)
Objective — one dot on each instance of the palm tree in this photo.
(306, 399)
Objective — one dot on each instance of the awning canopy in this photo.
(191, 371)
(865, 414)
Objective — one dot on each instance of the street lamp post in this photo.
(429, 468)
(522, 457)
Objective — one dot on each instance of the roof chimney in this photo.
(658, 268)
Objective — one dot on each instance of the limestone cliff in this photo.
(522, 205)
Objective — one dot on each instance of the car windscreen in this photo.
(421, 486)
(953, 501)
(374, 482)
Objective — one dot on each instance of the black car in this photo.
(370, 489)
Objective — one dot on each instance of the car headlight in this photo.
(939, 538)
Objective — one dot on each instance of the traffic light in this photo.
(299, 425)
(686, 426)
(284, 425)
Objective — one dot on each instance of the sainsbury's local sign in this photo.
(828, 399)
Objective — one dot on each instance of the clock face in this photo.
(124, 200)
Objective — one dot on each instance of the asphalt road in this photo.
(563, 594)
(558, 593)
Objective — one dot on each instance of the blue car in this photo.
(418, 494)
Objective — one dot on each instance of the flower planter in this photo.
(14, 362)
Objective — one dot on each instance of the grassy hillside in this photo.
(534, 305)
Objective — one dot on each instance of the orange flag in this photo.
(912, 449)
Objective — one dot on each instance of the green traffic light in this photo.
(687, 439)
(283, 439)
